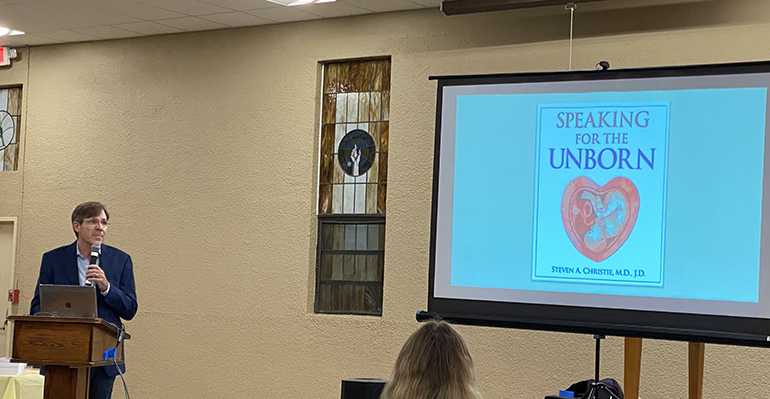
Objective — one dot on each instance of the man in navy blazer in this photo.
(113, 277)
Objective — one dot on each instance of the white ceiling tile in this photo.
(26, 40)
(333, 10)
(242, 5)
(107, 32)
(234, 19)
(12, 23)
(187, 7)
(284, 14)
(78, 15)
(55, 15)
(22, 18)
(129, 8)
(67, 36)
(18, 1)
(385, 6)
(78, 20)
(191, 24)
(149, 28)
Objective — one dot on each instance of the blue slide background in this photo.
(713, 193)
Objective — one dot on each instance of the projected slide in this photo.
(636, 193)
(595, 163)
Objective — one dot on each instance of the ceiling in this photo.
(62, 21)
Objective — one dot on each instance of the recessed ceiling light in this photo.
(6, 32)
(298, 2)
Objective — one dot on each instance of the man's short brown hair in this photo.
(88, 210)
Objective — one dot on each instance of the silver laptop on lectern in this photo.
(68, 300)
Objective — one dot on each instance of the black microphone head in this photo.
(95, 247)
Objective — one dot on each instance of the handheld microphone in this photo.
(95, 247)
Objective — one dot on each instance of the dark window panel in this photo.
(327, 236)
(361, 235)
(348, 298)
(326, 267)
(358, 297)
(325, 297)
(373, 299)
(336, 301)
(337, 267)
(381, 268)
(372, 267)
(350, 237)
(339, 236)
(349, 267)
(373, 239)
(360, 274)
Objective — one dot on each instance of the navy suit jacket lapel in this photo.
(105, 258)
(72, 264)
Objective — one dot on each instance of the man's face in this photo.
(92, 229)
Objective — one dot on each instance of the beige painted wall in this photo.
(204, 145)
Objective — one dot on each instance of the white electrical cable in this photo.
(571, 7)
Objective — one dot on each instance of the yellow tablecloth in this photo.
(26, 386)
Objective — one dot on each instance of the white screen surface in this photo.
(538, 184)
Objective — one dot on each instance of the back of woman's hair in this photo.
(433, 364)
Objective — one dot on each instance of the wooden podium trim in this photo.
(63, 341)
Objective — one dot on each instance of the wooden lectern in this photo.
(67, 347)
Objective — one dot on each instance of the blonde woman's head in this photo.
(433, 364)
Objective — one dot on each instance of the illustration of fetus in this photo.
(609, 218)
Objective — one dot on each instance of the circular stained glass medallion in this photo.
(7, 129)
(356, 152)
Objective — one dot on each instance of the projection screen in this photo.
(622, 202)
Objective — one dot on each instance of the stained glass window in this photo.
(10, 116)
(356, 99)
(352, 186)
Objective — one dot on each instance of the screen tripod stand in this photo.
(596, 385)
